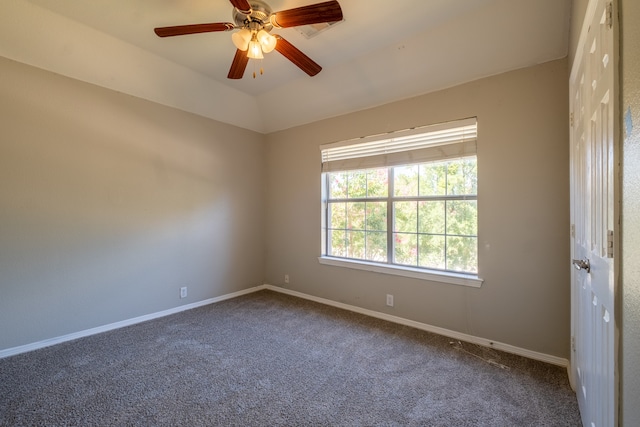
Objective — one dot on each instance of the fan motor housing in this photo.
(260, 13)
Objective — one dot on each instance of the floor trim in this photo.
(111, 326)
(554, 360)
(395, 319)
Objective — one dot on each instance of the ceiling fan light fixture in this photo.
(267, 41)
(255, 51)
(241, 39)
(254, 19)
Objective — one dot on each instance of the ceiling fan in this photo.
(255, 20)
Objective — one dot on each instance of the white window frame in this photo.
(446, 141)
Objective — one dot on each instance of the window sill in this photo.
(415, 273)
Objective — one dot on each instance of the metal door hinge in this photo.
(609, 243)
(571, 119)
(573, 343)
(573, 230)
(610, 15)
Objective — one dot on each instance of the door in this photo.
(594, 216)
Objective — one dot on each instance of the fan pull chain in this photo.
(254, 69)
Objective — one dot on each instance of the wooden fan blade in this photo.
(180, 30)
(294, 55)
(329, 11)
(238, 65)
(243, 6)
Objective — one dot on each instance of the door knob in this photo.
(582, 264)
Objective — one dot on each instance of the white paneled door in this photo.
(594, 216)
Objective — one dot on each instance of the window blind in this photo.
(427, 143)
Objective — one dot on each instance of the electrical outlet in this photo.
(183, 292)
(286, 278)
(390, 300)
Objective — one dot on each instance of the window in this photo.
(407, 202)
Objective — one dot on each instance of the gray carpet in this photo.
(268, 359)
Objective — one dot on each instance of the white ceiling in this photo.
(383, 51)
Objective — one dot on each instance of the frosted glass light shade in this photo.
(241, 39)
(255, 51)
(267, 41)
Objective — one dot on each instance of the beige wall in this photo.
(630, 85)
(523, 172)
(109, 204)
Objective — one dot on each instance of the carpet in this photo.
(269, 359)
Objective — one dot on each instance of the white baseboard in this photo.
(87, 332)
(429, 328)
(395, 319)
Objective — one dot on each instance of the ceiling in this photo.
(383, 51)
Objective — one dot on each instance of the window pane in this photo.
(357, 186)
(355, 215)
(462, 217)
(462, 177)
(405, 217)
(405, 250)
(462, 254)
(377, 182)
(377, 216)
(431, 217)
(433, 179)
(405, 181)
(355, 244)
(337, 185)
(431, 252)
(429, 229)
(337, 243)
(337, 215)
(377, 246)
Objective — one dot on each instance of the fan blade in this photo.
(181, 30)
(238, 65)
(243, 6)
(329, 11)
(294, 55)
